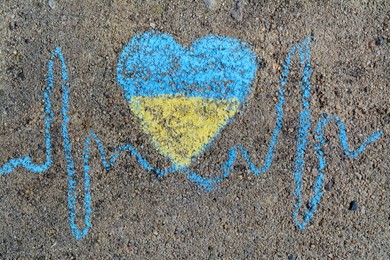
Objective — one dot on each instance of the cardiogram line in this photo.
(206, 183)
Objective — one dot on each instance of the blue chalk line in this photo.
(206, 183)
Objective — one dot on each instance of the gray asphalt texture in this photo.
(138, 216)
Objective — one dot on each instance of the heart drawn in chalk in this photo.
(185, 96)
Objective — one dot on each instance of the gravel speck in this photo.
(52, 4)
(379, 41)
(211, 4)
(353, 205)
(329, 185)
(238, 10)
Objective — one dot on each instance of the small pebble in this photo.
(386, 119)
(260, 62)
(353, 205)
(52, 4)
(211, 4)
(238, 10)
(329, 185)
(239, 167)
(379, 41)
(12, 26)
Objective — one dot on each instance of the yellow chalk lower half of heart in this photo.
(180, 127)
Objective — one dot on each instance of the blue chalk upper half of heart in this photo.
(213, 67)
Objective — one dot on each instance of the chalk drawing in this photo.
(220, 105)
(184, 97)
